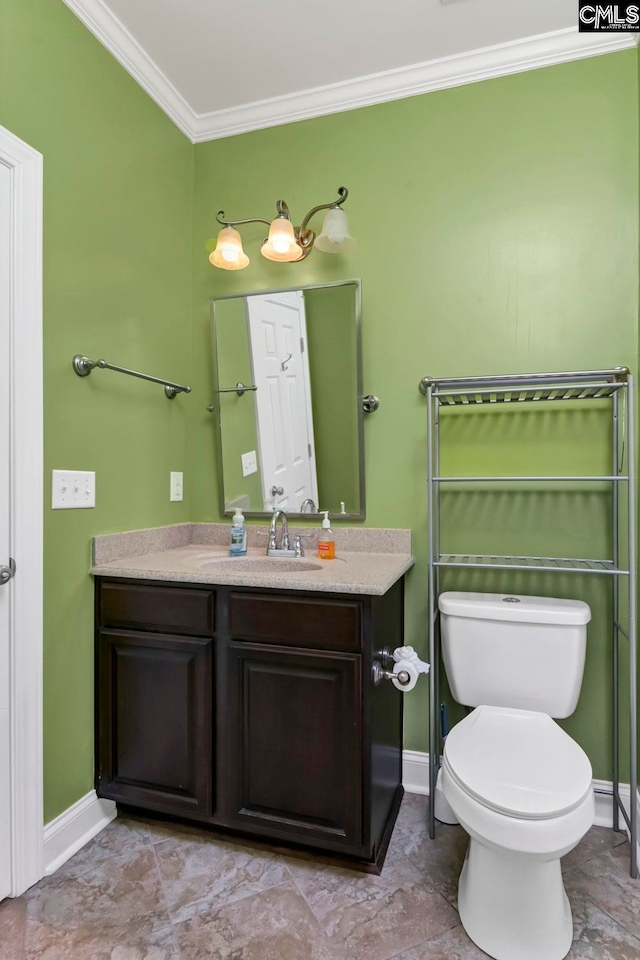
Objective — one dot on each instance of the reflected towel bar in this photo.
(83, 367)
(239, 388)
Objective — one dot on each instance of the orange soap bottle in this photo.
(327, 541)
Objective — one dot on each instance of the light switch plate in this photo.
(175, 485)
(73, 489)
(249, 463)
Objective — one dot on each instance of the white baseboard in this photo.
(415, 779)
(415, 772)
(81, 822)
(69, 832)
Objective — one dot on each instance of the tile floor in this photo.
(151, 891)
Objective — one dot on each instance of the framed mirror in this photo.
(288, 401)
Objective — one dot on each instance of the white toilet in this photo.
(519, 785)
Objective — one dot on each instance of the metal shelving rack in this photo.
(611, 386)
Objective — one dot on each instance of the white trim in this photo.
(604, 805)
(69, 832)
(604, 801)
(559, 46)
(471, 67)
(415, 772)
(25, 640)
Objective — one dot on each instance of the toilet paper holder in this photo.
(379, 673)
(384, 659)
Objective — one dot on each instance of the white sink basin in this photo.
(267, 565)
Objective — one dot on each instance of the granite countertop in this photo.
(368, 561)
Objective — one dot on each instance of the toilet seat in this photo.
(517, 763)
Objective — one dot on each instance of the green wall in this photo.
(118, 194)
(497, 229)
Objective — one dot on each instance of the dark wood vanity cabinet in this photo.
(251, 710)
(296, 735)
(155, 696)
(155, 723)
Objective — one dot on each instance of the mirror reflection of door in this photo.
(278, 335)
(6, 212)
(263, 434)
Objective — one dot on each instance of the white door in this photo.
(21, 813)
(6, 589)
(278, 335)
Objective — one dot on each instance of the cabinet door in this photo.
(154, 721)
(296, 744)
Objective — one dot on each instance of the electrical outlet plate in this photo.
(249, 463)
(175, 485)
(73, 489)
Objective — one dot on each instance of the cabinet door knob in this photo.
(277, 491)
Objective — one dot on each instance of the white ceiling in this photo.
(222, 66)
(230, 52)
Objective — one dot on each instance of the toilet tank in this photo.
(514, 651)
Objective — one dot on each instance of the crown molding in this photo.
(560, 46)
(498, 61)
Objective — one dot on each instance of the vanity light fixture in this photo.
(285, 243)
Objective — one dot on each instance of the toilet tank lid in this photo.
(514, 607)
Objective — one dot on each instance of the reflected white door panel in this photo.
(6, 590)
(278, 336)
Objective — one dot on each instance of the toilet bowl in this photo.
(522, 790)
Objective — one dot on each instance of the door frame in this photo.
(26, 513)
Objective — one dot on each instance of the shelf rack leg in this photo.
(633, 692)
(436, 581)
(616, 616)
(433, 687)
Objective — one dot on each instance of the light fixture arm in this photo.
(283, 211)
(237, 223)
(343, 193)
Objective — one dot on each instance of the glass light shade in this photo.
(228, 254)
(334, 236)
(281, 243)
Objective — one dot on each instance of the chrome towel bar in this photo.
(239, 388)
(83, 367)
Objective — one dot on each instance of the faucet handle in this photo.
(298, 548)
(272, 537)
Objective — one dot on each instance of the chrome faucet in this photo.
(308, 506)
(273, 549)
(284, 550)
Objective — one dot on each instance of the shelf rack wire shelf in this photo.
(616, 388)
